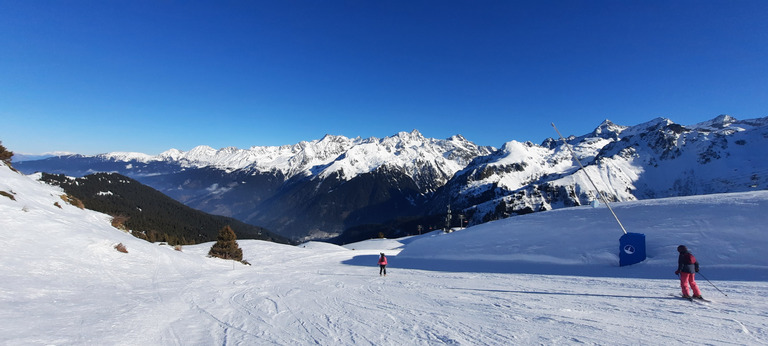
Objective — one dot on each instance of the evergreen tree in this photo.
(5, 154)
(226, 245)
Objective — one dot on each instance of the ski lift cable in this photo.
(605, 200)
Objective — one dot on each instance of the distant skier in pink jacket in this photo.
(383, 265)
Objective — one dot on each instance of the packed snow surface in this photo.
(545, 278)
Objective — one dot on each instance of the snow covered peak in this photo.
(518, 152)
(414, 134)
(171, 154)
(607, 129)
(649, 126)
(720, 122)
(457, 138)
(723, 120)
(202, 151)
(330, 140)
(426, 160)
(128, 156)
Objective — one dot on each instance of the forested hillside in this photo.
(148, 213)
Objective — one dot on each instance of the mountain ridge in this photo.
(658, 158)
(303, 157)
(396, 184)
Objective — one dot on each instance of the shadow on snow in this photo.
(638, 271)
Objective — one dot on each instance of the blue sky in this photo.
(146, 76)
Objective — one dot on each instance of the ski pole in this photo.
(713, 285)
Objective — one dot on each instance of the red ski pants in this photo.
(687, 279)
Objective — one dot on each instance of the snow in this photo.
(651, 160)
(543, 278)
(330, 156)
(129, 156)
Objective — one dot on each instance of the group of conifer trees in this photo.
(148, 213)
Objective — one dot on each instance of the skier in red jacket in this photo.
(687, 267)
(383, 265)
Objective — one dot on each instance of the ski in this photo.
(690, 299)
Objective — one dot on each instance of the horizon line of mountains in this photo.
(344, 190)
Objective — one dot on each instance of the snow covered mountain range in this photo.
(323, 186)
(429, 162)
(651, 160)
(361, 187)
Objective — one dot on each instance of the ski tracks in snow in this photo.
(321, 301)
